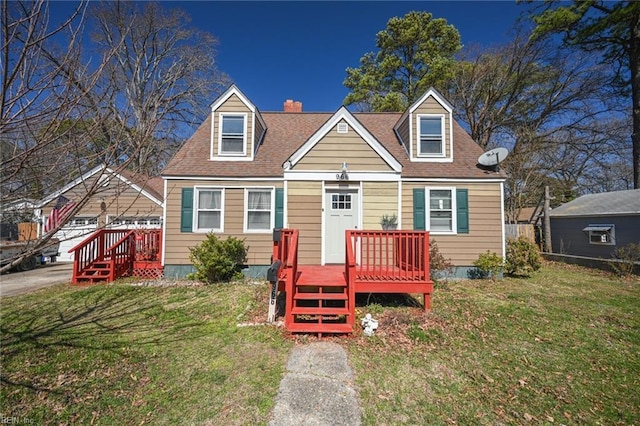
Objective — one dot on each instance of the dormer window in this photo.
(233, 134)
(431, 142)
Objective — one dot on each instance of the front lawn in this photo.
(562, 347)
(558, 348)
(121, 354)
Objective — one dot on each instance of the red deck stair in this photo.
(109, 254)
(321, 299)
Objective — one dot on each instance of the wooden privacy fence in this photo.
(515, 231)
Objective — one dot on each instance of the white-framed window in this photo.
(134, 220)
(259, 209)
(431, 135)
(601, 234)
(232, 138)
(209, 208)
(82, 221)
(441, 210)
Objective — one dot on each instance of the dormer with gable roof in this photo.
(426, 129)
(237, 127)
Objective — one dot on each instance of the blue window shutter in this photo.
(462, 203)
(186, 211)
(279, 222)
(419, 220)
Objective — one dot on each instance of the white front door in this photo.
(342, 212)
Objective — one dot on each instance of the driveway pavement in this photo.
(42, 276)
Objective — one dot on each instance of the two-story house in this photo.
(245, 172)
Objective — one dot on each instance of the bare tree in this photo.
(159, 80)
(35, 97)
(62, 114)
(526, 84)
(549, 106)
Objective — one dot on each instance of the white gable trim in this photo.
(232, 90)
(102, 169)
(344, 114)
(138, 188)
(409, 115)
(332, 176)
(437, 96)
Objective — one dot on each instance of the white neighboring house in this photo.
(123, 200)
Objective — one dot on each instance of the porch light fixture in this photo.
(343, 172)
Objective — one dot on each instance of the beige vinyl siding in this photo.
(120, 199)
(230, 106)
(403, 132)
(258, 131)
(304, 212)
(178, 243)
(431, 106)
(485, 221)
(378, 198)
(335, 148)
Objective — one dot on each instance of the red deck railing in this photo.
(121, 255)
(148, 244)
(285, 250)
(93, 249)
(389, 255)
(375, 262)
(119, 248)
(389, 262)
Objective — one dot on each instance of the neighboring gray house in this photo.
(595, 225)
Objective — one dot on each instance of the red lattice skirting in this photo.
(147, 270)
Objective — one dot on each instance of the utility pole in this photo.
(547, 220)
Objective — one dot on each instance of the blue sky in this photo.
(279, 50)
(299, 50)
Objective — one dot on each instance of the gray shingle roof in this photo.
(605, 203)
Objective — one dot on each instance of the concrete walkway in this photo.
(317, 389)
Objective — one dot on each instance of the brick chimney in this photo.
(292, 106)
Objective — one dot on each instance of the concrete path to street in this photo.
(42, 276)
(317, 388)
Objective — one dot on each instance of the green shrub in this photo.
(489, 265)
(523, 257)
(439, 267)
(217, 260)
(627, 257)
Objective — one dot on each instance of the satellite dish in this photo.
(493, 157)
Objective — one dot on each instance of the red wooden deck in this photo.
(317, 275)
(321, 299)
(109, 254)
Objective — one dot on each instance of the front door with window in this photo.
(342, 212)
